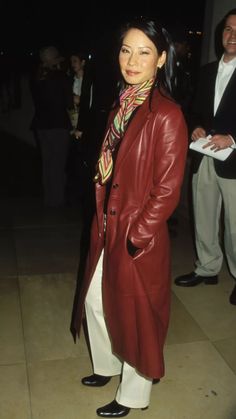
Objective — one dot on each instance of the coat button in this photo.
(113, 212)
(115, 186)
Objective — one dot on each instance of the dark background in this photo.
(27, 25)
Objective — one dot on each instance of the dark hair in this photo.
(165, 78)
(80, 54)
(219, 49)
(229, 13)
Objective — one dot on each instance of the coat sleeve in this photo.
(169, 164)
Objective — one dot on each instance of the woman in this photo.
(126, 286)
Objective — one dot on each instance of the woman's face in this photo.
(139, 58)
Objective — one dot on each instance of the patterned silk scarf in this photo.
(132, 97)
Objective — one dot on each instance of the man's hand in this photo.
(219, 142)
(199, 132)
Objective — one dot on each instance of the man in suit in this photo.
(214, 181)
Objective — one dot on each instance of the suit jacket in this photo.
(224, 121)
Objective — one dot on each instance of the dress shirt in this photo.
(225, 71)
(77, 85)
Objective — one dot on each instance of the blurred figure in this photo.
(184, 71)
(52, 96)
(10, 82)
(183, 92)
(78, 170)
(77, 63)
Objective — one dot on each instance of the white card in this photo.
(219, 154)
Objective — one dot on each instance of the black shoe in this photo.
(232, 298)
(156, 380)
(192, 279)
(113, 410)
(95, 380)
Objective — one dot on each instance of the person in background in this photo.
(99, 80)
(83, 91)
(10, 82)
(52, 96)
(80, 114)
(77, 63)
(185, 71)
(126, 286)
(214, 181)
(183, 92)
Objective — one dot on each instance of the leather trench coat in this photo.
(145, 190)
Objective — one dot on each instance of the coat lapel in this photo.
(211, 87)
(228, 97)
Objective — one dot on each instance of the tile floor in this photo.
(41, 367)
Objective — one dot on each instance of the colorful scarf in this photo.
(132, 97)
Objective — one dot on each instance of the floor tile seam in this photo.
(213, 338)
(214, 347)
(24, 348)
(12, 364)
(40, 227)
(202, 327)
(191, 315)
(215, 341)
(222, 356)
(189, 341)
(34, 274)
(6, 276)
(67, 358)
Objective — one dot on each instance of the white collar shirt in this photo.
(77, 85)
(225, 71)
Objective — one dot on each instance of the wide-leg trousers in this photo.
(209, 193)
(134, 389)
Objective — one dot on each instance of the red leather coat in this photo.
(145, 190)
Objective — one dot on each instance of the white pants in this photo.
(134, 390)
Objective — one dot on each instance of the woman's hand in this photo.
(131, 248)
